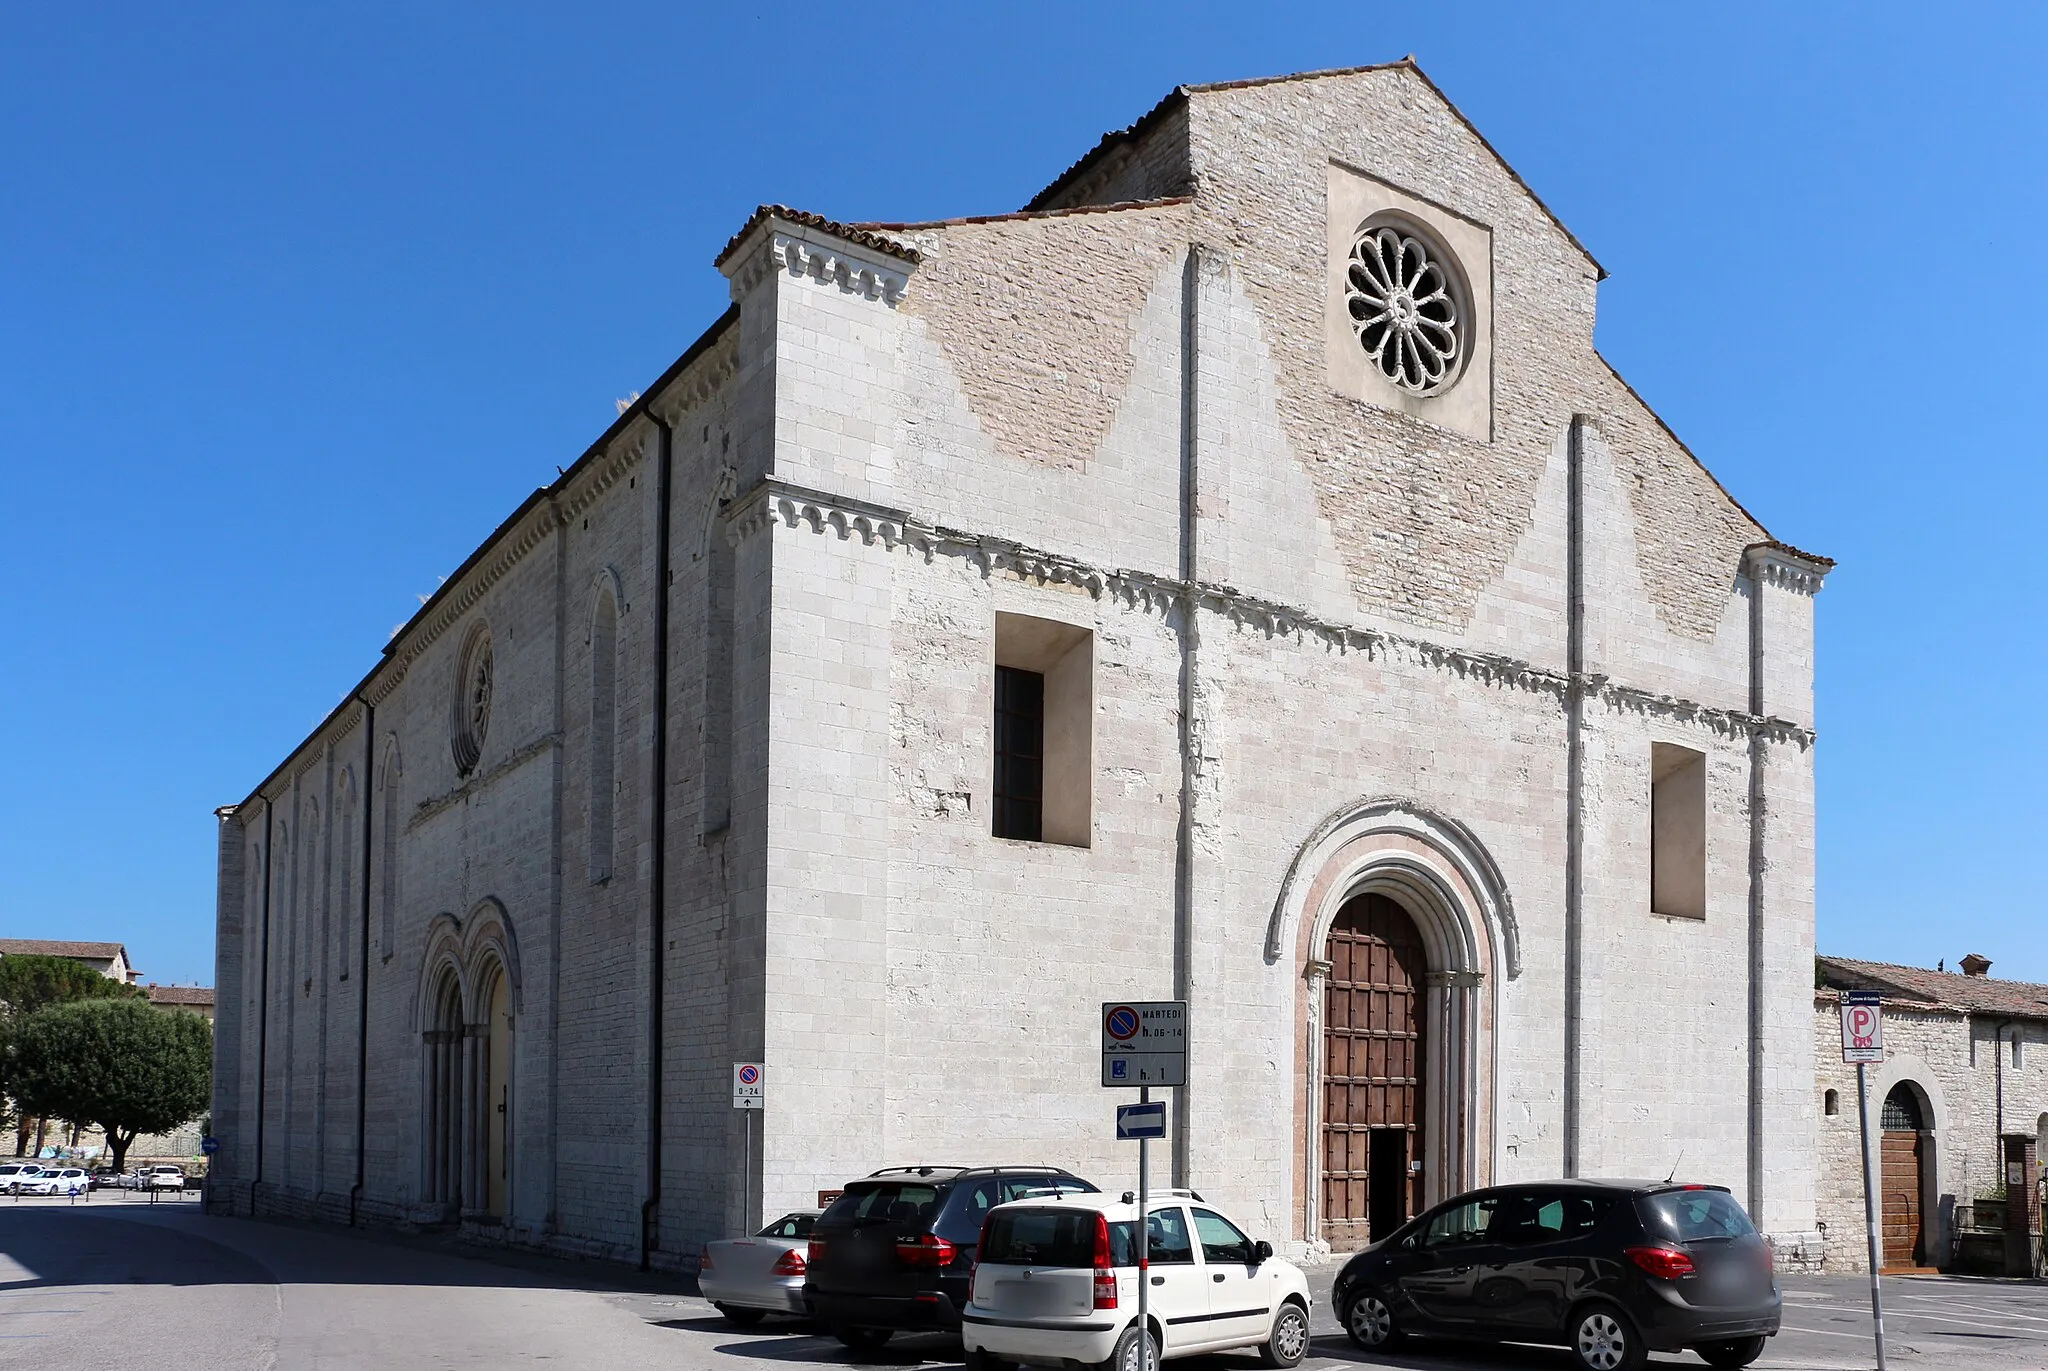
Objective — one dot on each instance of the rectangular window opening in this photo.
(1678, 831)
(1044, 731)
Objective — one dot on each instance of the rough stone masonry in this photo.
(1235, 577)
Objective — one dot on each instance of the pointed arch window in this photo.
(387, 856)
(604, 719)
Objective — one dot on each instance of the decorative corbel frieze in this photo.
(1784, 567)
(812, 254)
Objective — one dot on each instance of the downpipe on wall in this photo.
(262, 1010)
(355, 1192)
(657, 907)
(1575, 766)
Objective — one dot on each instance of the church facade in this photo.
(1234, 577)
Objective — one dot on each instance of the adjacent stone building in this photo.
(1233, 577)
(109, 959)
(1966, 1064)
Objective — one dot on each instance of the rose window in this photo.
(473, 701)
(1402, 309)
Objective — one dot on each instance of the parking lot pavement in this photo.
(118, 1281)
(1933, 1324)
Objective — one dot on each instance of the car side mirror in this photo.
(1262, 1251)
(1408, 1243)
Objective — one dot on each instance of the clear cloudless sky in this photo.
(296, 303)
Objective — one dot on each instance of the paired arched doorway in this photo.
(466, 1073)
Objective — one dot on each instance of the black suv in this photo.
(895, 1252)
(1609, 1269)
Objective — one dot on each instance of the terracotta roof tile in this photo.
(180, 994)
(1027, 214)
(852, 233)
(1938, 989)
(45, 947)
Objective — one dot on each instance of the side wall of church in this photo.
(513, 835)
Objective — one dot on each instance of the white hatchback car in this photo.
(1056, 1283)
(57, 1180)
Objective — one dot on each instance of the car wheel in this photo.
(863, 1342)
(1287, 1344)
(1740, 1352)
(740, 1317)
(981, 1359)
(1603, 1339)
(1369, 1323)
(1126, 1356)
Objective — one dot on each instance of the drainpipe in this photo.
(262, 1010)
(1190, 737)
(1998, 1061)
(657, 905)
(1574, 768)
(355, 1193)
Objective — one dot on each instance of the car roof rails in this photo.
(1171, 1192)
(1028, 1169)
(948, 1171)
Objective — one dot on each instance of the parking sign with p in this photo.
(1862, 1027)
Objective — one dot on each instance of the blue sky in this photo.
(297, 304)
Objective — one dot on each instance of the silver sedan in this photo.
(747, 1279)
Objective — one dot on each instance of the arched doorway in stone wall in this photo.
(1902, 1181)
(1372, 1079)
(1396, 1054)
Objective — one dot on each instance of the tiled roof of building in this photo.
(1938, 989)
(180, 994)
(851, 233)
(45, 947)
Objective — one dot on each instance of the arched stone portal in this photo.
(1460, 941)
(469, 1000)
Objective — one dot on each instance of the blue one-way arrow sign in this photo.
(1141, 1120)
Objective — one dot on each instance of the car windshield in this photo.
(900, 1202)
(788, 1226)
(1052, 1237)
(1694, 1215)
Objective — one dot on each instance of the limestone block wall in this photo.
(1951, 1060)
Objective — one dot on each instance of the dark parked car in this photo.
(896, 1251)
(1611, 1270)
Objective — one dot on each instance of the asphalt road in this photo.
(119, 1282)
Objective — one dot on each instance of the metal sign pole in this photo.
(1870, 1207)
(1145, 1362)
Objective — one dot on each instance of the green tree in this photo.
(29, 983)
(119, 1064)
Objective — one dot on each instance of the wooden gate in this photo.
(1901, 1149)
(1372, 1072)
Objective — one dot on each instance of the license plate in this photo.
(1024, 1297)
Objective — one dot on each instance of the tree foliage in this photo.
(30, 983)
(120, 1064)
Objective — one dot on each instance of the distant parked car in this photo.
(896, 1250)
(56, 1180)
(746, 1279)
(13, 1174)
(164, 1178)
(1609, 1269)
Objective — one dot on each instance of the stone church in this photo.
(1233, 577)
